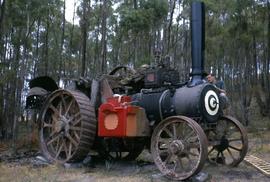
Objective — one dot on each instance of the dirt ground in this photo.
(25, 167)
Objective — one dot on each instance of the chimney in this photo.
(197, 43)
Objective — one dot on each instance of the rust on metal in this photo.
(228, 142)
(68, 126)
(178, 147)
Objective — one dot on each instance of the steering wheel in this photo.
(122, 71)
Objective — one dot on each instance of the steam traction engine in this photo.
(125, 111)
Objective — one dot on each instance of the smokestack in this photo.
(197, 42)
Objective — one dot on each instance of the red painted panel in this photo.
(116, 110)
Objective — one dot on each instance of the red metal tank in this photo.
(118, 118)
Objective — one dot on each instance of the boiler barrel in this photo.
(198, 101)
(158, 105)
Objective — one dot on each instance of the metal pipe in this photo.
(197, 42)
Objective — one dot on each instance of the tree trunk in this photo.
(46, 56)
(62, 42)
(37, 49)
(2, 14)
(172, 7)
(268, 61)
(104, 37)
(84, 26)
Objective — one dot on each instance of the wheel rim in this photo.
(228, 142)
(66, 132)
(179, 147)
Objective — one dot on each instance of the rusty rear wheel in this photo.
(179, 147)
(68, 126)
(228, 142)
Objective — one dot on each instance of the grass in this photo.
(55, 173)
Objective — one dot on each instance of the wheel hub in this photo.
(59, 126)
(176, 147)
(62, 125)
(223, 145)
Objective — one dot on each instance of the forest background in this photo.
(37, 40)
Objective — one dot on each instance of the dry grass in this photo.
(259, 144)
(128, 172)
(54, 173)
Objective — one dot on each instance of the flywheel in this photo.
(68, 126)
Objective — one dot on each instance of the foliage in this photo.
(148, 15)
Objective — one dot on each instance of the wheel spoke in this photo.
(164, 140)
(222, 154)
(168, 158)
(230, 153)
(180, 129)
(210, 151)
(63, 101)
(55, 118)
(189, 135)
(69, 150)
(54, 109)
(218, 153)
(161, 152)
(189, 162)
(48, 125)
(168, 132)
(75, 120)
(180, 162)
(192, 153)
(193, 139)
(60, 109)
(174, 131)
(59, 151)
(65, 148)
(54, 138)
(194, 144)
(69, 106)
(76, 135)
(57, 143)
(216, 160)
(232, 147)
(72, 140)
(235, 139)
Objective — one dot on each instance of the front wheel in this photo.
(179, 147)
(228, 142)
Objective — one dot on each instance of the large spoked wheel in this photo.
(179, 147)
(68, 126)
(228, 142)
(121, 149)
